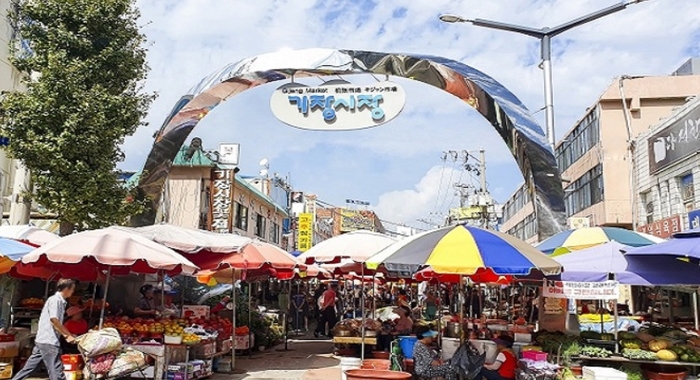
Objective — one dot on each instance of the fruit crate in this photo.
(244, 342)
(223, 345)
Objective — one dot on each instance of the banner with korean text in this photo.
(305, 232)
(582, 290)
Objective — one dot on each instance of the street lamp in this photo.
(545, 36)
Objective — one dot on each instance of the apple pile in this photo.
(169, 326)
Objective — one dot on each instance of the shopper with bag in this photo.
(47, 347)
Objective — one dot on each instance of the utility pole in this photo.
(20, 207)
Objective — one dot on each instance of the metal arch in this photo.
(498, 105)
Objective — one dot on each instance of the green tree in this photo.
(83, 64)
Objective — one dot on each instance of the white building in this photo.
(667, 164)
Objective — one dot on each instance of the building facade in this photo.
(199, 193)
(594, 156)
(667, 164)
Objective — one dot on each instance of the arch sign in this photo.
(339, 105)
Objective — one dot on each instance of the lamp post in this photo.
(545, 36)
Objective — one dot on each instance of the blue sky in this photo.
(397, 167)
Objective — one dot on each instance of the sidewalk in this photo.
(304, 360)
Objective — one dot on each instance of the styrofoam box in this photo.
(603, 373)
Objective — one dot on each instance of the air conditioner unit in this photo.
(576, 223)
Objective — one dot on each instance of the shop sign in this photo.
(337, 107)
(582, 290)
(353, 220)
(675, 142)
(221, 203)
(305, 232)
(664, 228)
(694, 219)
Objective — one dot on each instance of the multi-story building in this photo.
(667, 166)
(594, 156)
(200, 193)
(343, 220)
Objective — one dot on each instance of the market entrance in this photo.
(513, 122)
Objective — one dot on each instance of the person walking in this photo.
(47, 347)
(328, 313)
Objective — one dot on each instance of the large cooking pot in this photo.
(452, 330)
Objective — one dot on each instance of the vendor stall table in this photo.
(621, 360)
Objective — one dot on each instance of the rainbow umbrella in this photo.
(464, 250)
(582, 238)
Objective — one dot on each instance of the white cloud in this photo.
(430, 198)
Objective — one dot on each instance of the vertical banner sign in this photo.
(221, 195)
(305, 232)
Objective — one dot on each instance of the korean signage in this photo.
(305, 232)
(664, 228)
(337, 107)
(221, 204)
(694, 219)
(675, 142)
(353, 220)
(582, 290)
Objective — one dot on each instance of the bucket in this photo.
(224, 365)
(406, 343)
(369, 374)
(379, 364)
(347, 364)
(449, 347)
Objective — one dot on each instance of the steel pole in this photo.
(546, 46)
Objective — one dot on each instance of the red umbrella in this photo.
(255, 258)
(482, 276)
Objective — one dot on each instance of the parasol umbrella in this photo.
(597, 264)
(464, 250)
(11, 251)
(27, 234)
(357, 246)
(673, 262)
(110, 250)
(482, 276)
(581, 238)
(189, 240)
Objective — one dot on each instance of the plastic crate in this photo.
(603, 373)
(537, 356)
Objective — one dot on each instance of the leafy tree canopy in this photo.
(83, 64)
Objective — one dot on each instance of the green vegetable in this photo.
(595, 352)
(637, 354)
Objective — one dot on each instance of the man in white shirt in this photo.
(47, 347)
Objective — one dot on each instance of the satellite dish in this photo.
(265, 162)
(263, 173)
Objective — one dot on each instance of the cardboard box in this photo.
(205, 349)
(9, 349)
(223, 345)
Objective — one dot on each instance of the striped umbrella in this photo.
(464, 250)
(582, 238)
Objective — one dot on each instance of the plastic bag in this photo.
(467, 361)
(128, 361)
(100, 364)
(98, 342)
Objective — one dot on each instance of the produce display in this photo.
(595, 352)
(192, 330)
(242, 331)
(638, 354)
(35, 303)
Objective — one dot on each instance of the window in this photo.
(274, 233)
(581, 139)
(260, 222)
(687, 188)
(647, 206)
(526, 229)
(241, 217)
(585, 191)
(516, 203)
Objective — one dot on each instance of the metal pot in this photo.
(370, 333)
(452, 330)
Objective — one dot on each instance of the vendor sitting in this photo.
(504, 366)
(75, 324)
(427, 364)
(402, 326)
(147, 305)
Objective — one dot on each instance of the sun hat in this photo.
(73, 310)
(503, 340)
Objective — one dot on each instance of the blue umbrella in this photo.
(14, 250)
(597, 264)
(672, 262)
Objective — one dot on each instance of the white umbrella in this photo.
(188, 240)
(28, 234)
(357, 246)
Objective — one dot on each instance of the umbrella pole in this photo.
(462, 299)
(695, 310)
(250, 296)
(233, 320)
(102, 312)
(617, 346)
(374, 297)
(600, 312)
(94, 294)
(162, 289)
(362, 311)
(48, 281)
